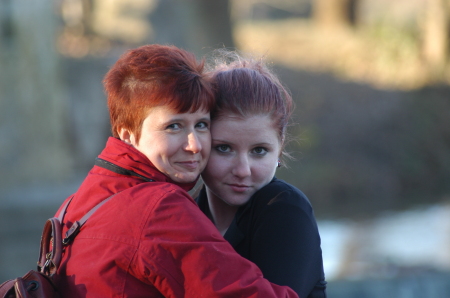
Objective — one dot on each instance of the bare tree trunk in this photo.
(435, 34)
(334, 13)
(197, 25)
(215, 21)
(32, 130)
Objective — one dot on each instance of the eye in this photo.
(173, 126)
(223, 148)
(260, 151)
(202, 125)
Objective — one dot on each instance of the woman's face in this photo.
(178, 145)
(243, 158)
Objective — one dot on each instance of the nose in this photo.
(193, 143)
(242, 167)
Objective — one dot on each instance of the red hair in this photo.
(154, 75)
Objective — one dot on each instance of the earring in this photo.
(279, 164)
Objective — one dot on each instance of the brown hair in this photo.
(154, 75)
(246, 87)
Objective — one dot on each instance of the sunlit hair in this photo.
(246, 87)
(154, 75)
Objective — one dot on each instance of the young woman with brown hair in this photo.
(266, 220)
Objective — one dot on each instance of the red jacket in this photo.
(150, 240)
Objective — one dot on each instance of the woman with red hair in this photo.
(150, 239)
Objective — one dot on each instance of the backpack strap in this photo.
(63, 210)
(75, 228)
(51, 243)
(51, 247)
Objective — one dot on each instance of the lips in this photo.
(189, 165)
(239, 187)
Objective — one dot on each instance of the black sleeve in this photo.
(286, 245)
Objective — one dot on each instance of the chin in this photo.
(235, 203)
(186, 178)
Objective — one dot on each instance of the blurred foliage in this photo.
(370, 81)
(361, 151)
(372, 125)
(380, 55)
(371, 129)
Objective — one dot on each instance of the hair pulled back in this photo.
(246, 87)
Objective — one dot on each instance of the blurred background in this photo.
(371, 131)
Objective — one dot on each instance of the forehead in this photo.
(234, 129)
(165, 112)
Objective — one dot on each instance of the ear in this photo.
(127, 136)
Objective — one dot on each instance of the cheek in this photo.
(206, 144)
(163, 148)
(264, 172)
(216, 167)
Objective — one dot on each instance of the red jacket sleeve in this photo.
(183, 255)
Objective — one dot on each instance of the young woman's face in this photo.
(244, 157)
(178, 145)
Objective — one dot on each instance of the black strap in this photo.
(75, 228)
(51, 243)
(119, 170)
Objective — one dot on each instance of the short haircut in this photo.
(155, 75)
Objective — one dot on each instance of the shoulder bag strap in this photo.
(51, 242)
(63, 210)
(75, 228)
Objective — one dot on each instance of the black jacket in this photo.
(278, 232)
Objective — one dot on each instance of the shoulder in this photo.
(163, 209)
(157, 189)
(281, 210)
(279, 192)
(146, 199)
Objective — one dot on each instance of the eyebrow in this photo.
(231, 143)
(263, 144)
(219, 140)
(204, 119)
